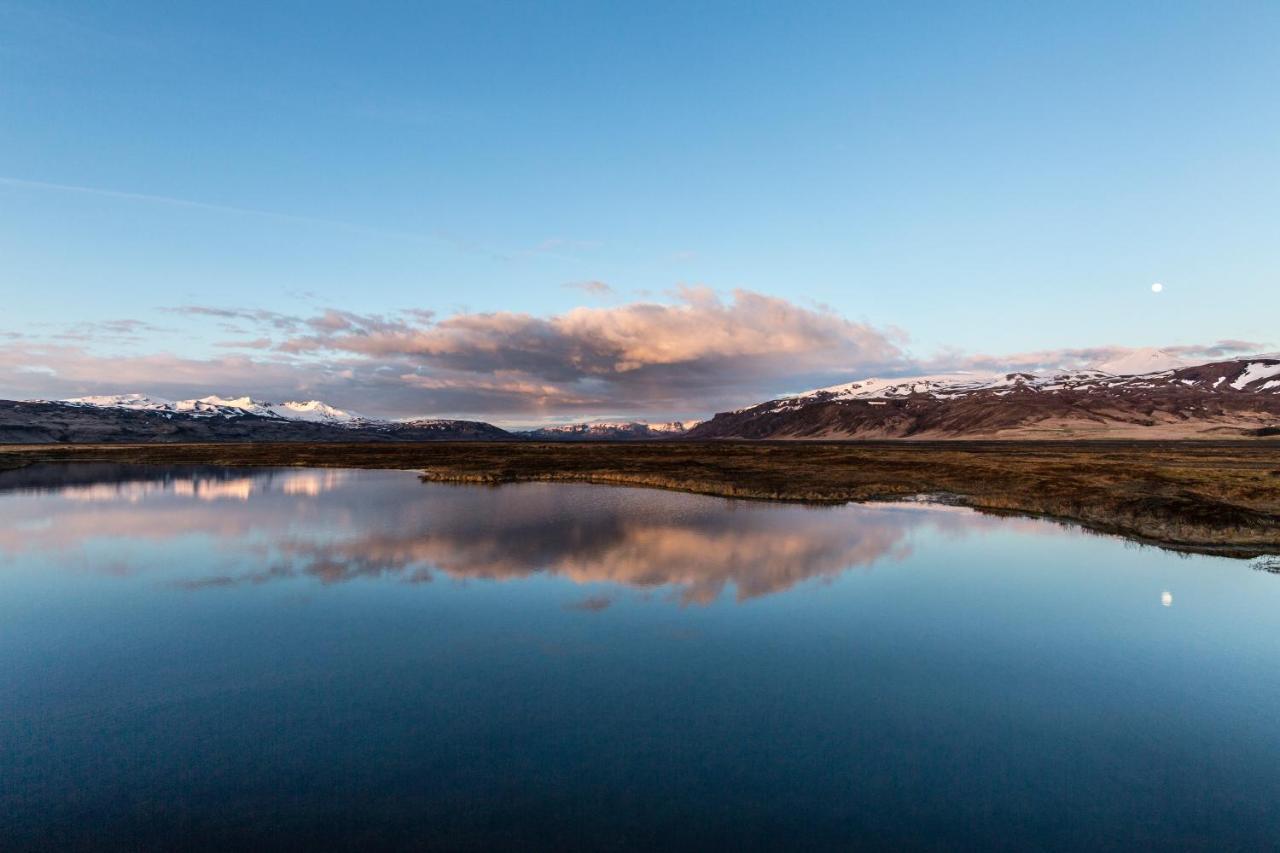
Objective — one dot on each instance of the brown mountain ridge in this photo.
(1225, 399)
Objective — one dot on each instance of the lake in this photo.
(206, 657)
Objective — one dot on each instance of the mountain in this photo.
(1220, 399)
(1141, 361)
(138, 418)
(611, 431)
(312, 411)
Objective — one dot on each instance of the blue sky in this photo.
(960, 180)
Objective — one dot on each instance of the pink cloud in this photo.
(694, 355)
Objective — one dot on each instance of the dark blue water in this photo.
(267, 659)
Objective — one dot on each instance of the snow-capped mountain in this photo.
(611, 431)
(140, 418)
(1247, 376)
(311, 411)
(1141, 361)
(1237, 397)
(1223, 399)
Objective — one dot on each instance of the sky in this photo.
(540, 212)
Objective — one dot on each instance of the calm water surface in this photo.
(206, 657)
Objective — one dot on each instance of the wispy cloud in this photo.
(1075, 358)
(595, 288)
(591, 604)
(114, 331)
(253, 343)
(436, 235)
(152, 198)
(561, 247)
(283, 322)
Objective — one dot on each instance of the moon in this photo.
(1157, 287)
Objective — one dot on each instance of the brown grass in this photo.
(1191, 495)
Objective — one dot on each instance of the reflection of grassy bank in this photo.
(1193, 495)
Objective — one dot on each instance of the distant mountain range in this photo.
(312, 411)
(611, 431)
(140, 418)
(1136, 397)
(1220, 399)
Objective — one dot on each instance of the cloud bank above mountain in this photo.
(697, 353)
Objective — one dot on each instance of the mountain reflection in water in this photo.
(244, 658)
(334, 526)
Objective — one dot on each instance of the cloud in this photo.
(595, 288)
(283, 322)
(1222, 349)
(697, 353)
(273, 526)
(124, 330)
(151, 198)
(252, 343)
(561, 247)
(683, 357)
(123, 327)
(1076, 358)
(591, 604)
(641, 351)
(439, 235)
(66, 370)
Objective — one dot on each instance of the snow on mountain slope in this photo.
(122, 401)
(610, 430)
(1224, 399)
(311, 411)
(1238, 375)
(316, 411)
(1141, 361)
(941, 384)
(133, 418)
(1255, 373)
(945, 386)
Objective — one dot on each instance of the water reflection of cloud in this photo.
(338, 526)
(591, 604)
(700, 556)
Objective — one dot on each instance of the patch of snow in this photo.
(316, 412)
(1118, 374)
(608, 427)
(312, 411)
(122, 401)
(1255, 372)
(876, 388)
